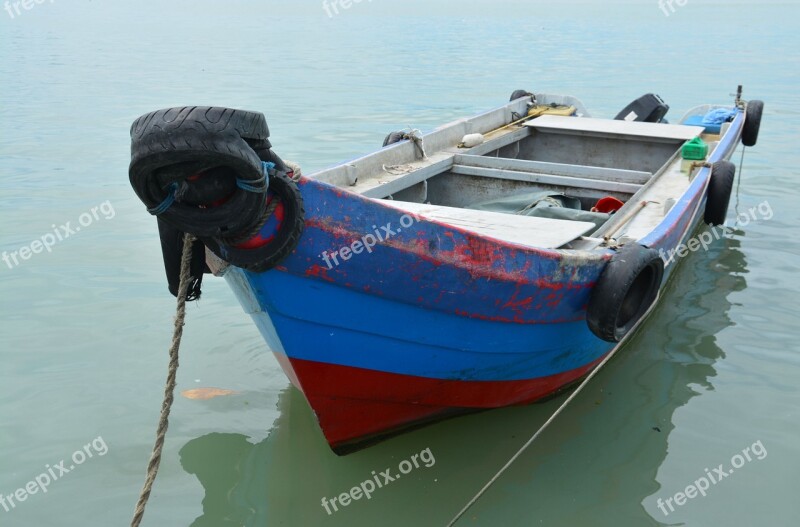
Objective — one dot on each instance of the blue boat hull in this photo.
(431, 320)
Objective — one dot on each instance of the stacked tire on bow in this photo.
(211, 172)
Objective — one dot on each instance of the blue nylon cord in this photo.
(259, 186)
(162, 207)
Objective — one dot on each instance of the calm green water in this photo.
(85, 327)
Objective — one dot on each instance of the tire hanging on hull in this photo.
(752, 122)
(626, 289)
(718, 195)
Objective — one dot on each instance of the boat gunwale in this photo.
(479, 123)
(697, 188)
(566, 254)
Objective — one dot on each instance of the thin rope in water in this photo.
(545, 425)
(739, 183)
(169, 389)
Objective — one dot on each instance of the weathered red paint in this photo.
(344, 399)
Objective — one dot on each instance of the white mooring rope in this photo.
(549, 420)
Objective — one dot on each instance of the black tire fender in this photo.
(172, 144)
(752, 122)
(718, 194)
(518, 94)
(285, 240)
(394, 137)
(626, 289)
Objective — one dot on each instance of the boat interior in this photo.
(557, 179)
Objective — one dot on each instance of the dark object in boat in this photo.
(519, 94)
(649, 108)
(547, 204)
(394, 137)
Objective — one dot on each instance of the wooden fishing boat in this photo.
(491, 262)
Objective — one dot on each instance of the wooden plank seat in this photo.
(531, 231)
(603, 127)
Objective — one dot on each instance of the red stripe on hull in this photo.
(354, 405)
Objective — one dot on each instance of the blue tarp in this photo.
(540, 204)
(712, 121)
(719, 116)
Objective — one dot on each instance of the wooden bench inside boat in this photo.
(592, 156)
(651, 132)
(561, 175)
(545, 233)
(556, 174)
